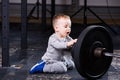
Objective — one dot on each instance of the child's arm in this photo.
(62, 45)
(57, 44)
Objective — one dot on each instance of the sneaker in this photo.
(69, 63)
(37, 67)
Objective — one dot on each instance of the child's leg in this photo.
(37, 67)
(68, 60)
(56, 67)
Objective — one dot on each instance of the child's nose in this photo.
(69, 29)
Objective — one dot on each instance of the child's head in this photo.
(62, 25)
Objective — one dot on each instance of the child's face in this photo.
(63, 27)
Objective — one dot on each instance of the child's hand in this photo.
(70, 43)
(75, 40)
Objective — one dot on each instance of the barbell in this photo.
(93, 52)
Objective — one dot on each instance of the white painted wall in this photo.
(101, 2)
(66, 2)
(81, 2)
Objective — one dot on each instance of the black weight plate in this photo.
(87, 64)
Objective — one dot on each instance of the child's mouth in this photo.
(68, 32)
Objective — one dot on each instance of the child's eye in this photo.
(66, 26)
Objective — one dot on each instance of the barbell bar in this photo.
(99, 52)
(93, 52)
(112, 55)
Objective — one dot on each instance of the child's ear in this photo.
(56, 28)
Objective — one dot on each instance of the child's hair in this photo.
(57, 17)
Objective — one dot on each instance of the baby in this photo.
(57, 58)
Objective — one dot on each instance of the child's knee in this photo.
(61, 67)
(58, 67)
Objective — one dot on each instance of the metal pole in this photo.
(52, 8)
(23, 24)
(5, 33)
(38, 9)
(85, 14)
(43, 14)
